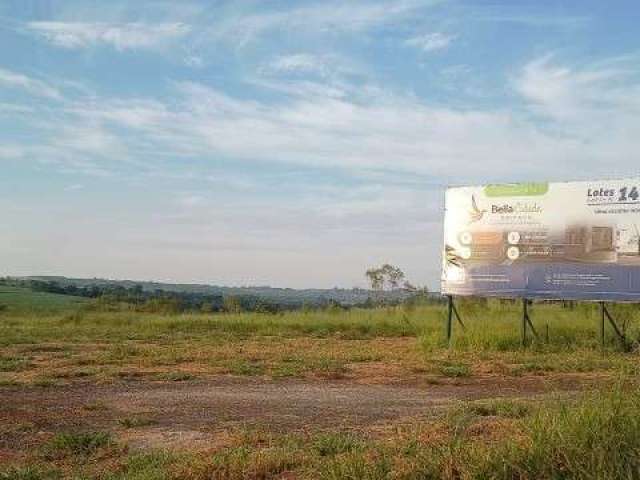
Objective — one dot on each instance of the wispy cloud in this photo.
(300, 62)
(374, 132)
(323, 17)
(532, 19)
(328, 67)
(33, 86)
(121, 36)
(366, 128)
(581, 94)
(431, 42)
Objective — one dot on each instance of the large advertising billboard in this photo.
(574, 240)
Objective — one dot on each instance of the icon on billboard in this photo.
(513, 253)
(513, 238)
(466, 238)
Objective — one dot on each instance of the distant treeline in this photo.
(113, 295)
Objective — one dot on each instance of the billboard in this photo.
(573, 240)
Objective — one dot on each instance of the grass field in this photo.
(88, 394)
(23, 301)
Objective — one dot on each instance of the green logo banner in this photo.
(516, 190)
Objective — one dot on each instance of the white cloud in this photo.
(88, 139)
(431, 42)
(323, 17)
(360, 128)
(583, 100)
(122, 36)
(11, 79)
(373, 132)
(365, 129)
(329, 67)
(300, 62)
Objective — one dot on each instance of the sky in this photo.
(292, 143)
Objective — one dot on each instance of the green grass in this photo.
(24, 301)
(507, 408)
(13, 363)
(136, 422)
(311, 343)
(331, 444)
(126, 326)
(77, 443)
(177, 377)
(455, 370)
(495, 326)
(491, 327)
(594, 436)
(144, 466)
(29, 473)
(598, 438)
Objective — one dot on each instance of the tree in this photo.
(387, 275)
(393, 275)
(376, 278)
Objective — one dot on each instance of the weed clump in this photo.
(77, 444)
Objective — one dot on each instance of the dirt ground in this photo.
(196, 414)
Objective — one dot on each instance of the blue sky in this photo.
(292, 143)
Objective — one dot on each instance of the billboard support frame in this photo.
(619, 333)
(451, 311)
(526, 321)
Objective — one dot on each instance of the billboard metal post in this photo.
(602, 310)
(449, 319)
(451, 311)
(526, 322)
(619, 333)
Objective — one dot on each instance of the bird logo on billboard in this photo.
(475, 214)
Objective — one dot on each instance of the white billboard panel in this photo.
(573, 240)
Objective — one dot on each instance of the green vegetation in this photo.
(29, 473)
(77, 444)
(331, 444)
(595, 435)
(455, 370)
(499, 408)
(150, 297)
(58, 347)
(16, 300)
(136, 422)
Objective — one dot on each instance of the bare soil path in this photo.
(184, 413)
